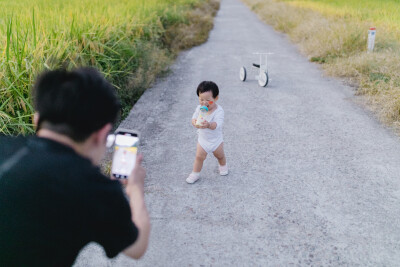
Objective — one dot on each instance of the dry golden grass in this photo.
(339, 43)
(378, 79)
(182, 36)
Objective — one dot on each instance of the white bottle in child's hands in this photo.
(202, 115)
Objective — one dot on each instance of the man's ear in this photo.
(36, 119)
(102, 133)
(216, 98)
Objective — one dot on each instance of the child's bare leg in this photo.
(201, 155)
(220, 155)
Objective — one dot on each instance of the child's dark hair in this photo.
(206, 86)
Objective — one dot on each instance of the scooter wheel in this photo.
(242, 74)
(263, 79)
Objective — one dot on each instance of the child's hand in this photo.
(194, 122)
(204, 125)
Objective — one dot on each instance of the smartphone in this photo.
(125, 152)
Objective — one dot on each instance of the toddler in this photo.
(210, 138)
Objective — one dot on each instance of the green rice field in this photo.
(119, 37)
(379, 13)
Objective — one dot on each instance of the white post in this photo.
(371, 39)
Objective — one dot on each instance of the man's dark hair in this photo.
(206, 86)
(75, 103)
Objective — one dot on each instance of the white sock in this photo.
(196, 173)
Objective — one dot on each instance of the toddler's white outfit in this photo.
(209, 139)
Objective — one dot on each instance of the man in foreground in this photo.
(53, 198)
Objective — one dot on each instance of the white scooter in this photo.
(262, 76)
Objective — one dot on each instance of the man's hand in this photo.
(194, 122)
(138, 174)
(136, 179)
(140, 216)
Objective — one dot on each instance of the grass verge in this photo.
(334, 34)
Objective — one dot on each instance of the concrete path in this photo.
(314, 178)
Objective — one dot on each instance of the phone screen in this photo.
(125, 151)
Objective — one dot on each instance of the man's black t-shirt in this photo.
(53, 202)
